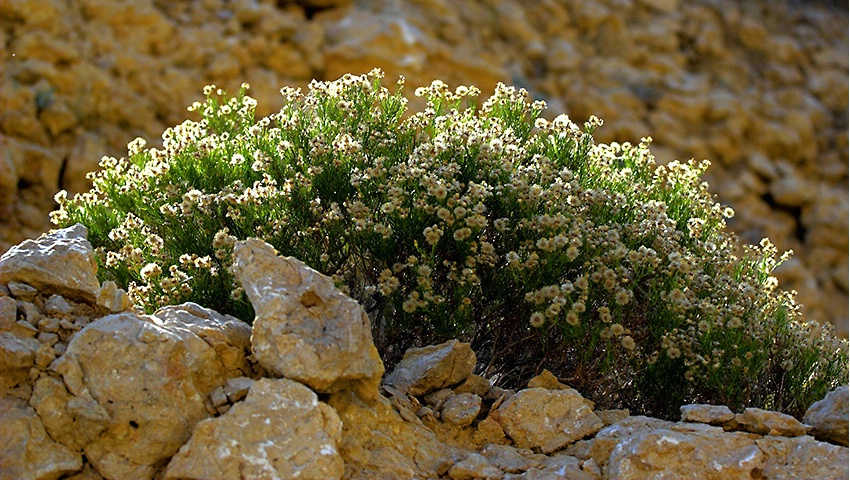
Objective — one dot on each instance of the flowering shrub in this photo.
(492, 224)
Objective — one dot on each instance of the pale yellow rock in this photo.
(546, 420)
(28, 452)
(33, 262)
(150, 380)
(461, 410)
(765, 422)
(280, 430)
(71, 421)
(378, 444)
(428, 369)
(803, 457)
(306, 329)
(697, 451)
(474, 466)
(829, 416)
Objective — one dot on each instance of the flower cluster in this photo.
(490, 223)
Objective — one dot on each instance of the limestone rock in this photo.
(601, 446)
(281, 430)
(71, 421)
(511, 459)
(305, 329)
(151, 381)
(694, 451)
(474, 384)
(17, 355)
(828, 417)
(34, 262)
(461, 409)
(377, 443)
(28, 452)
(112, 298)
(228, 336)
(546, 380)
(546, 420)
(765, 422)
(427, 369)
(610, 417)
(802, 457)
(710, 414)
(474, 466)
(237, 388)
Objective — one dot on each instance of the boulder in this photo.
(377, 443)
(34, 262)
(802, 457)
(828, 417)
(305, 329)
(153, 382)
(428, 369)
(228, 336)
(547, 420)
(693, 450)
(280, 430)
(28, 452)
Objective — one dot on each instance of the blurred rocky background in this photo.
(759, 87)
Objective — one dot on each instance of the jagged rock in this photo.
(601, 446)
(511, 459)
(474, 384)
(280, 430)
(765, 422)
(151, 380)
(377, 443)
(17, 356)
(691, 450)
(71, 421)
(304, 328)
(546, 380)
(34, 262)
(828, 417)
(237, 388)
(546, 420)
(710, 414)
(8, 312)
(428, 369)
(228, 336)
(461, 410)
(28, 452)
(802, 457)
(112, 298)
(610, 417)
(474, 466)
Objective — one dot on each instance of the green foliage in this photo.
(521, 235)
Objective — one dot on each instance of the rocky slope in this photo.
(759, 87)
(90, 389)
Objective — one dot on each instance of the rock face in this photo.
(425, 370)
(88, 394)
(281, 430)
(304, 328)
(758, 87)
(828, 417)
